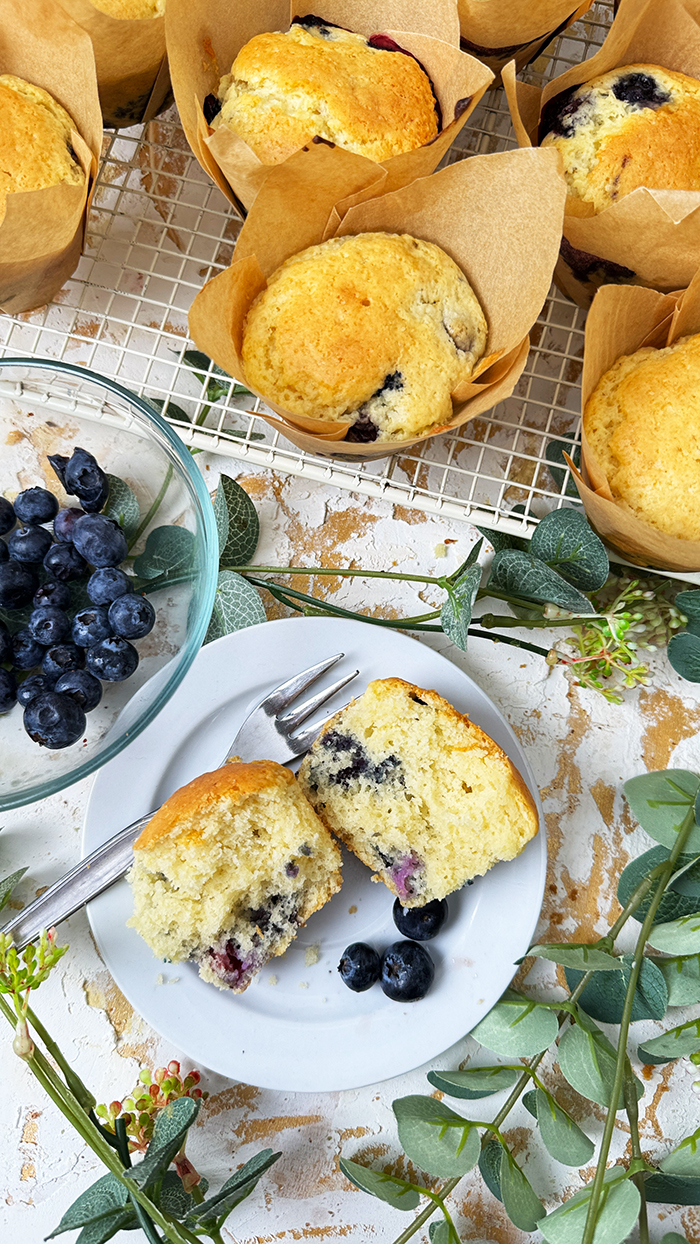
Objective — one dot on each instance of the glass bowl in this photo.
(48, 407)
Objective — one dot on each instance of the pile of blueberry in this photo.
(405, 971)
(53, 661)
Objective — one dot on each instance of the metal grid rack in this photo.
(159, 229)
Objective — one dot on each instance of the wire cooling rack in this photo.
(159, 229)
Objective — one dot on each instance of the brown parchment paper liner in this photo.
(497, 216)
(650, 237)
(497, 31)
(204, 37)
(41, 231)
(622, 319)
(132, 67)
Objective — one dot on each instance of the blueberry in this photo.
(638, 89)
(108, 584)
(52, 593)
(35, 506)
(131, 616)
(17, 585)
(8, 690)
(54, 720)
(26, 652)
(63, 562)
(7, 516)
(29, 544)
(65, 521)
(112, 659)
(91, 625)
(49, 625)
(82, 687)
(4, 551)
(100, 540)
(60, 659)
(59, 464)
(30, 687)
(359, 967)
(420, 923)
(86, 480)
(5, 644)
(407, 972)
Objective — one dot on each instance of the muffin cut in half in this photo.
(417, 791)
(35, 140)
(229, 868)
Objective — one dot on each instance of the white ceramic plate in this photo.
(297, 1027)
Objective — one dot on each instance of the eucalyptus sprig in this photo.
(605, 986)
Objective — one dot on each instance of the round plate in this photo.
(297, 1027)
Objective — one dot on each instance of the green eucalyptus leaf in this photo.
(172, 1196)
(502, 540)
(242, 525)
(168, 549)
(673, 903)
(470, 560)
(686, 880)
(169, 1131)
(103, 1199)
(683, 652)
(197, 359)
(661, 801)
(473, 1083)
(8, 884)
(576, 955)
(664, 1189)
(678, 1042)
(689, 603)
(677, 937)
(521, 574)
(521, 1205)
(122, 506)
(672, 1237)
(558, 467)
(437, 1139)
(236, 605)
(456, 613)
(517, 1027)
(587, 1061)
(490, 1160)
(682, 976)
(169, 409)
(396, 1192)
(106, 1228)
(617, 1214)
(561, 1137)
(565, 540)
(685, 1158)
(529, 1101)
(240, 1185)
(439, 1233)
(604, 996)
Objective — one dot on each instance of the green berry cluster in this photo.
(140, 1109)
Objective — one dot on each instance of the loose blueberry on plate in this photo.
(359, 967)
(5, 644)
(82, 687)
(108, 584)
(420, 923)
(52, 593)
(407, 972)
(63, 562)
(4, 551)
(26, 652)
(86, 480)
(34, 685)
(7, 516)
(35, 506)
(54, 720)
(60, 659)
(65, 521)
(91, 625)
(8, 690)
(112, 659)
(131, 616)
(29, 544)
(17, 585)
(100, 540)
(49, 625)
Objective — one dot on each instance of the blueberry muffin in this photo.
(634, 126)
(642, 423)
(374, 330)
(35, 140)
(417, 791)
(316, 81)
(229, 868)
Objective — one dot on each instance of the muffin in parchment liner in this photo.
(128, 39)
(647, 237)
(42, 230)
(498, 217)
(519, 30)
(205, 36)
(622, 321)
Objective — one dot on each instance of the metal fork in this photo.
(264, 735)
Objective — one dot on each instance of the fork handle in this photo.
(89, 878)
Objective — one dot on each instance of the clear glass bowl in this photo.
(48, 407)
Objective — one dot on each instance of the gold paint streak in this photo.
(604, 796)
(249, 1130)
(352, 1133)
(649, 1119)
(28, 1171)
(670, 721)
(238, 1097)
(332, 1232)
(30, 1131)
(102, 993)
(486, 1219)
(14, 437)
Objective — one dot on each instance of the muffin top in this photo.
(35, 140)
(317, 81)
(375, 330)
(638, 125)
(130, 8)
(642, 422)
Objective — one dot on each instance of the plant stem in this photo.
(493, 620)
(665, 873)
(154, 508)
(507, 639)
(632, 1111)
(343, 574)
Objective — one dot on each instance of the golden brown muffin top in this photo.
(126, 9)
(233, 782)
(287, 88)
(35, 134)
